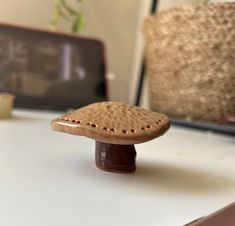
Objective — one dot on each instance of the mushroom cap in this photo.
(113, 122)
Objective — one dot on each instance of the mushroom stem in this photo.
(115, 157)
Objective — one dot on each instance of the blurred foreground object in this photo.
(6, 104)
(190, 55)
(223, 217)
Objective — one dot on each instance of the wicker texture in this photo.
(190, 57)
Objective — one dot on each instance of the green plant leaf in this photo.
(78, 23)
(68, 13)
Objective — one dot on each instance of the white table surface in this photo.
(50, 179)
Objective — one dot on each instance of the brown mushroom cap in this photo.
(113, 122)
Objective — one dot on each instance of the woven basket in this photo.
(190, 58)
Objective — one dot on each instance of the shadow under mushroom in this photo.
(153, 177)
(172, 178)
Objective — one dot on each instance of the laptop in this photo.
(51, 70)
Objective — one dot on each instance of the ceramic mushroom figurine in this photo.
(115, 127)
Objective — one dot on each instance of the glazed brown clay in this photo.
(115, 157)
(116, 127)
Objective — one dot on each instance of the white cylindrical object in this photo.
(6, 105)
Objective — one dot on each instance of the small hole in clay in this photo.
(78, 121)
(157, 122)
(112, 129)
(93, 125)
(73, 120)
(67, 119)
(142, 128)
(132, 130)
(148, 126)
(88, 123)
(105, 128)
(124, 131)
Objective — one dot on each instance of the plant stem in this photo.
(62, 9)
(68, 8)
(56, 15)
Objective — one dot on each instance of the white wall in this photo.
(115, 22)
(28, 12)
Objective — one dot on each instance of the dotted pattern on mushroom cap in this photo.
(113, 122)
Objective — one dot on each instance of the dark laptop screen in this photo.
(51, 70)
